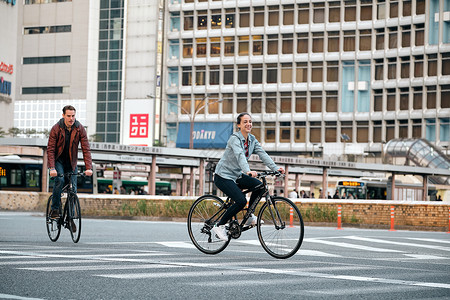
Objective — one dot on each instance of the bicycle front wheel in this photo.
(280, 228)
(74, 218)
(53, 225)
(205, 212)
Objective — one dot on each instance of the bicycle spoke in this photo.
(281, 234)
(53, 225)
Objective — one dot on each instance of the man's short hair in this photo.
(68, 107)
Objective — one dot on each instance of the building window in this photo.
(227, 103)
(285, 100)
(303, 14)
(420, 7)
(229, 45)
(242, 74)
(200, 75)
(316, 101)
(288, 44)
(330, 132)
(390, 100)
(390, 130)
(349, 40)
(272, 73)
(258, 43)
(316, 72)
(317, 44)
(445, 63)
(380, 39)
(45, 90)
(366, 10)
(393, 11)
(274, 15)
(187, 76)
(47, 29)
(416, 128)
(302, 43)
(392, 68)
(418, 66)
(377, 132)
(378, 100)
(403, 129)
(444, 130)
(405, 67)
(299, 132)
(300, 102)
(200, 101)
(381, 10)
(229, 18)
(393, 38)
(365, 40)
(431, 97)
(186, 104)
(271, 103)
(216, 19)
(258, 16)
(214, 75)
(241, 102)
(201, 47)
(46, 60)
(333, 41)
(404, 99)
(332, 71)
(285, 132)
(319, 13)
(272, 44)
(302, 72)
(215, 47)
(430, 130)
(256, 130)
(202, 20)
(187, 48)
(362, 131)
(243, 45)
(286, 73)
(420, 34)
(228, 74)
(407, 8)
(406, 36)
(331, 101)
(269, 128)
(315, 132)
(256, 103)
(213, 104)
(334, 12)
(244, 17)
(418, 98)
(445, 96)
(350, 11)
(288, 14)
(257, 74)
(379, 67)
(432, 65)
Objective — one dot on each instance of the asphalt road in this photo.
(121, 259)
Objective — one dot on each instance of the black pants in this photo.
(233, 190)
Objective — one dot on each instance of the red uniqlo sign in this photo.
(138, 125)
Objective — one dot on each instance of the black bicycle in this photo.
(280, 225)
(70, 218)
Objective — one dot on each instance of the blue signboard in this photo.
(205, 135)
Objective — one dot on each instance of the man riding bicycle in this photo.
(233, 172)
(62, 153)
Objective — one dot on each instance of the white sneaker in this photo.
(252, 220)
(221, 232)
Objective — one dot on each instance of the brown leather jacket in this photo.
(56, 140)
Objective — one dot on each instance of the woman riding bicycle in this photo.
(233, 172)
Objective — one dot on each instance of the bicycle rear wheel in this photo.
(203, 215)
(74, 218)
(53, 225)
(281, 233)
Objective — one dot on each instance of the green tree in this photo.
(2, 132)
(14, 131)
(30, 132)
(95, 138)
(45, 132)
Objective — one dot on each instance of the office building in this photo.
(321, 78)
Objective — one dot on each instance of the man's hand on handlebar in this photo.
(53, 173)
(252, 174)
(88, 172)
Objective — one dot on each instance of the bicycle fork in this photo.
(279, 224)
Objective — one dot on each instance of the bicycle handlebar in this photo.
(268, 173)
(70, 174)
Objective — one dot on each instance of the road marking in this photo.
(176, 244)
(101, 267)
(396, 243)
(418, 256)
(174, 274)
(6, 296)
(430, 240)
(353, 246)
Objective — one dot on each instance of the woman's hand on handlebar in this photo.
(252, 174)
(281, 170)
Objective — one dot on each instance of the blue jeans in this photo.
(233, 190)
(59, 183)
